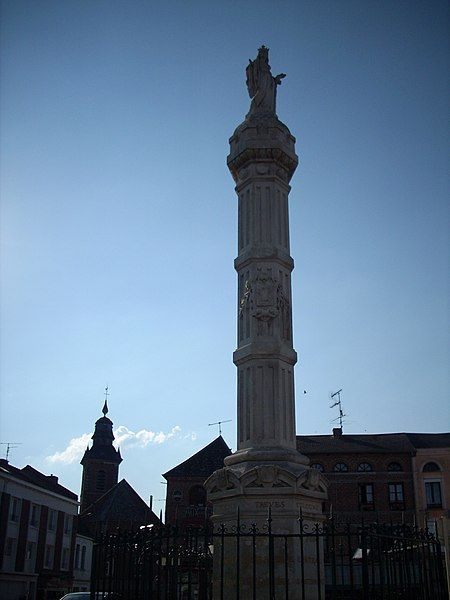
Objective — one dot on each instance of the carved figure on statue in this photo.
(246, 298)
(262, 85)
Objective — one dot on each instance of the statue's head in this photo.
(263, 53)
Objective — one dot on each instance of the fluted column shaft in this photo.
(262, 161)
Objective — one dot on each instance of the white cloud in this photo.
(143, 437)
(73, 452)
(124, 438)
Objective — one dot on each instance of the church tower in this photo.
(100, 462)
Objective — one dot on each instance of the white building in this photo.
(82, 563)
(37, 535)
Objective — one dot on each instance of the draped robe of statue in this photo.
(261, 84)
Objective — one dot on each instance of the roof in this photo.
(105, 453)
(102, 446)
(204, 462)
(120, 503)
(28, 474)
(429, 440)
(371, 443)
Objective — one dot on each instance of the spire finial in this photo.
(105, 406)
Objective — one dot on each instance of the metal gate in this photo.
(352, 562)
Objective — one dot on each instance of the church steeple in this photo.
(100, 462)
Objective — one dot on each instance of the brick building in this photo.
(398, 477)
(186, 502)
(381, 475)
(37, 534)
(368, 474)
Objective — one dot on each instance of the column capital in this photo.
(262, 140)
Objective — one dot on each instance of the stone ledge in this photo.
(256, 254)
(265, 351)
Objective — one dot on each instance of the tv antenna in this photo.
(337, 402)
(219, 423)
(10, 446)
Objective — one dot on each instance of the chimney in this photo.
(53, 478)
(3, 462)
(337, 432)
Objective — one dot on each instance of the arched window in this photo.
(364, 467)
(197, 496)
(318, 467)
(431, 467)
(394, 466)
(100, 483)
(340, 468)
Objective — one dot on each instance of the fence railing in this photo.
(333, 561)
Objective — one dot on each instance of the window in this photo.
(396, 499)
(67, 524)
(100, 484)
(34, 515)
(366, 499)
(318, 467)
(197, 496)
(394, 466)
(431, 526)
(340, 468)
(9, 546)
(77, 556)
(364, 467)
(65, 559)
(51, 525)
(431, 467)
(83, 558)
(29, 552)
(14, 513)
(49, 553)
(433, 494)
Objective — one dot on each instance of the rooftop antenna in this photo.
(10, 446)
(219, 423)
(337, 402)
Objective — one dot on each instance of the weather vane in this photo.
(105, 406)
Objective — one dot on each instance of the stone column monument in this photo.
(266, 471)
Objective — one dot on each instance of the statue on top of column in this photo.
(261, 84)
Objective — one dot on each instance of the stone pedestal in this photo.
(266, 471)
(267, 495)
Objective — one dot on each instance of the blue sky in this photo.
(119, 219)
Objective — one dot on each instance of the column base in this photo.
(265, 553)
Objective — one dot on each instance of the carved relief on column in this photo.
(264, 299)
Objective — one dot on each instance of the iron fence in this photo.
(330, 561)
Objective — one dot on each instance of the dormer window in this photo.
(364, 467)
(340, 468)
(394, 466)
